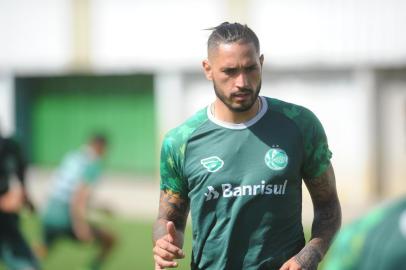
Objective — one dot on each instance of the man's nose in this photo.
(241, 80)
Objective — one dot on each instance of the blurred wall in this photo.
(155, 34)
(334, 32)
(35, 35)
(392, 127)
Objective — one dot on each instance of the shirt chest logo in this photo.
(212, 164)
(276, 159)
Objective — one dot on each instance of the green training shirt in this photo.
(244, 183)
(376, 241)
(78, 167)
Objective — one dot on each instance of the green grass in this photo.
(133, 251)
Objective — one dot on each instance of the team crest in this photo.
(212, 164)
(276, 159)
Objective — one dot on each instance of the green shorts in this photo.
(52, 233)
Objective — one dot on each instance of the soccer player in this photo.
(375, 241)
(65, 214)
(14, 250)
(238, 166)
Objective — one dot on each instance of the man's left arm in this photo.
(78, 213)
(326, 222)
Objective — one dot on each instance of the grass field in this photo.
(133, 251)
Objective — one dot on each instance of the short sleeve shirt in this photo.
(77, 168)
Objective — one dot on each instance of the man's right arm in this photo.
(169, 229)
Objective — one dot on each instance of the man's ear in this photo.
(261, 59)
(207, 69)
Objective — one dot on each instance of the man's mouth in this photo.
(241, 96)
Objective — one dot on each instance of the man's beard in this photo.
(242, 107)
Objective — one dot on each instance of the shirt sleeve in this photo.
(317, 154)
(171, 167)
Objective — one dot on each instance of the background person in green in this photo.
(15, 253)
(375, 241)
(238, 166)
(65, 214)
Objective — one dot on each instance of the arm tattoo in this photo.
(309, 257)
(173, 208)
(327, 219)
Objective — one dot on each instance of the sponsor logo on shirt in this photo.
(230, 191)
(276, 159)
(212, 164)
(212, 194)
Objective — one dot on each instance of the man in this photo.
(238, 166)
(375, 241)
(15, 253)
(65, 214)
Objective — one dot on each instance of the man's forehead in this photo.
(238, 47)
(232, 54)
(235, 64)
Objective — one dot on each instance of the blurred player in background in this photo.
(15, 253)
(238, 165)
(375, 241)
(66, 211)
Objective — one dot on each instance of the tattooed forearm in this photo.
(327, 221)
(171, 208)
(327, 218)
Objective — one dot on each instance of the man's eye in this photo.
(251, 68)
(230, 71)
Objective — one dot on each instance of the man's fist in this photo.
(292, 264)
(167, 248)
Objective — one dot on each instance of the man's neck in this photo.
(221, 112)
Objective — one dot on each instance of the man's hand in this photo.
(167, 249)
(307, 259)
(168, 230)
(292, 264)
(12, 201)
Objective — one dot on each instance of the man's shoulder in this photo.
(288, 109)
(182, 132)
(76, 158)
(301, 116)
(76, 155)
